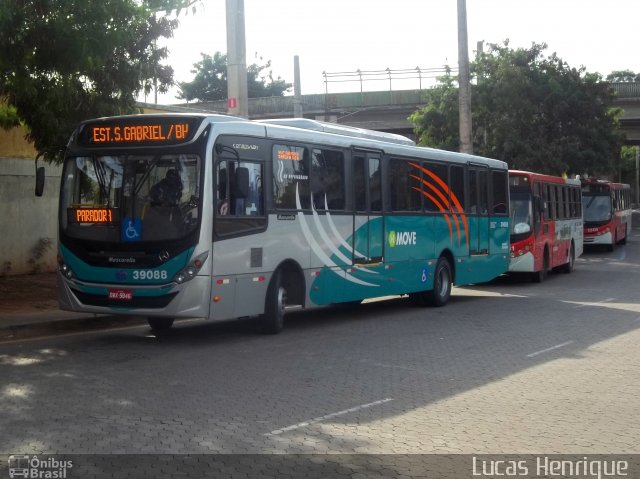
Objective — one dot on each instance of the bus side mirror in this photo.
(39, 180)
(242, 182)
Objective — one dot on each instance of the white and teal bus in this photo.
(216, 217)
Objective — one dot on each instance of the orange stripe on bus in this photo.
(446, 216)
(444, 186)
(443, 208)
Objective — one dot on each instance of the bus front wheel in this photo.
(569, 265)
(540, 276)
(273, 318)
(442, 282)
(624, 238)
(160, 324)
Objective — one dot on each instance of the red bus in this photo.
(546, 223)
(607, 212)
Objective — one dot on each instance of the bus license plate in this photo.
(121, 294)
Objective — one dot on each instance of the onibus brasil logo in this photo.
(401, 238)
(21, 465)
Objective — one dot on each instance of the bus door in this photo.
(368, 225)
(478, 209)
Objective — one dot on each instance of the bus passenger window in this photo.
(327, 179)
(456, 188)
(405, 186)
(239, 189)
(499, 190)
(433, 200)
(290, 177)
(359, 184)
(375, 185)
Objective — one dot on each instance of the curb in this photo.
(41, 328)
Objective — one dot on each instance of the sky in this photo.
(347, 35)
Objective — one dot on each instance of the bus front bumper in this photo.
(187, 300)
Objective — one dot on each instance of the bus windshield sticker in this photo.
(131, 229)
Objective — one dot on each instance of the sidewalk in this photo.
(29, 308)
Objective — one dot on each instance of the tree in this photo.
(532, 111)
(438, 120)
(210, 81)
(63, 61)
(625, 76)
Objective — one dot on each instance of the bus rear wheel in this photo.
(442, 283)
(160, 324)
(273, 318)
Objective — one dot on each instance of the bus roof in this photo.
(296, 129)
(544, 177)
(338, 129)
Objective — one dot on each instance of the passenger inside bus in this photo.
(239, 189)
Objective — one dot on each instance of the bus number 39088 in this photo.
(149, 274)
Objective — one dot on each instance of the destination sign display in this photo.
(288, 153)
(91, 215)
(138, 131)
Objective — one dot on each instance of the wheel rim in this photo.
(443, 282)
(281, 298)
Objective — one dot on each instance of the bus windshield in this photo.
(597, 208)
(130, 198)
(520, 212)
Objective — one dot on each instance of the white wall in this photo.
(25, 219)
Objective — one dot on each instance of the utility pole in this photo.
(464, 81)
(297, 90)
(237, 91)
(637, 176)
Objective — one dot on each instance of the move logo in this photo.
(401, 238)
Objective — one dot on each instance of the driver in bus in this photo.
(168, 191)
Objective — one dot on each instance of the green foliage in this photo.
(623, 76)
(534, 112)
(8, 116)
(627, 172)
(210, 81)
(438, 120)
(63, 61)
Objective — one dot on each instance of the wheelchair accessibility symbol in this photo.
(130, 229)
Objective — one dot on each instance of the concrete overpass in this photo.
(388, 110)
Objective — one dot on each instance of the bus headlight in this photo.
(64, 268)
(191, 270)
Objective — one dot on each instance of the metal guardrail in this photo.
(322, 102)
(387, 75)
(627, 89)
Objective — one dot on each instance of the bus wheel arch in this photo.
(287, 286)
